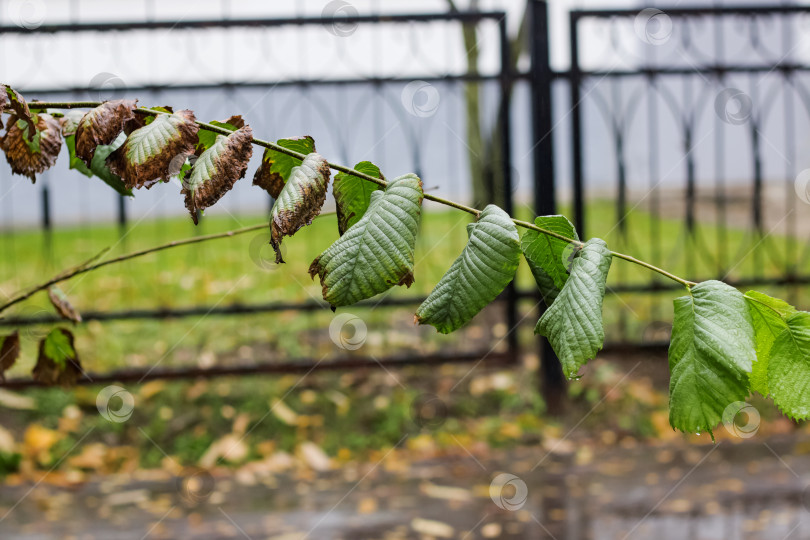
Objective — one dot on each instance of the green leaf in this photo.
(710, 356)
(155, 151)
(546, 255)
(217, 170)
(58, 346)
(58, 362)
(208, 138)
(353, 194)
(98, 166)
(768, 317)
(276, 167)
(573, 323)
(101, 168)
(789, 367)
(482, 271)
(376, 253)
(33, 143)
(300, 200)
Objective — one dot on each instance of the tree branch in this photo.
(83, 268)
(278, 148)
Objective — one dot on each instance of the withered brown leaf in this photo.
(102, 125)
(31, 158)
(3, 97)
(58, 362)
(217, 169)
(236, 121)
(300, 200)
(62, 304)
(151, 153)
(9, 352)
(269, 181)
(17, 102)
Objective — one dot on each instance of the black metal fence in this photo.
(691, 125)
(676, 134)
(382, 115)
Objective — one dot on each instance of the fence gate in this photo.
(688, 141)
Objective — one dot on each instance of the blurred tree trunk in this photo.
(481, 193)
(484, 150)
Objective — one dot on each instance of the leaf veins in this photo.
(217, 169)
(151, 153)
(300, 200)
(101, 126)
(482, 271)
(377, 252)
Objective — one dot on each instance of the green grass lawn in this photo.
(240, 270)
(186, 420)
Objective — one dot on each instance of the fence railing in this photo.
(675, 133)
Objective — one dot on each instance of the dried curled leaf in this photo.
(276, 166)
(101, 126)
(62, 304)
(217, 169)
(29, 158)
(58, 362)
(3, 97)
(9, 352)
(300, 200)
(152, 152)
(20, 107)
(236, 121)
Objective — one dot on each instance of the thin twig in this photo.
(84, 267)
(369, 178)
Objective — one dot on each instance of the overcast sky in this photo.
(65, 60)
(32, 61)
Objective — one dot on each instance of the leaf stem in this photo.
(278, 148)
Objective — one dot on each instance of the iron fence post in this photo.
(552, 381)
(576, 127)
(506, 165)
